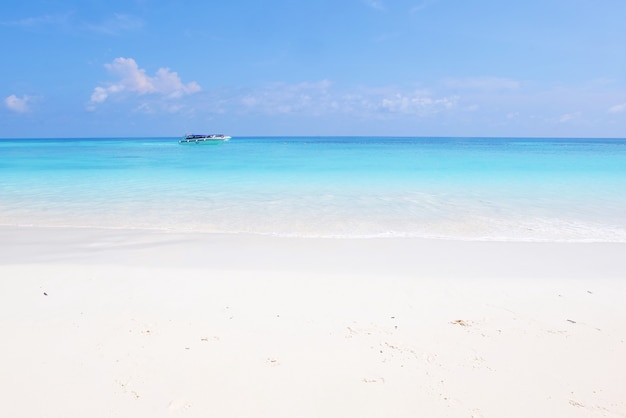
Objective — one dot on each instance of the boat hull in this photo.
(204, 139)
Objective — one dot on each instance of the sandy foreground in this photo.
(116, 323)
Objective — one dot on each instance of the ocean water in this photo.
(451, 188)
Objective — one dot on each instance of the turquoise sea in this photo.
(524, 189)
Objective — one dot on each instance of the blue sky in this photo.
(75, 68)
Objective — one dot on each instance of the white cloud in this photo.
(109, 26)
(569, 117)
(617, 108)
(29, 22)
(482, 83)
(423, 5)
(416, 103)
(17, 104)
(134, 80)
(290, 98)
(375, 4)
(320, 98)
(118, 23)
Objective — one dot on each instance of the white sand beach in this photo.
(129, 323)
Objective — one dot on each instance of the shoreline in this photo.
(416, 257)
(142, 323)
(582, 233)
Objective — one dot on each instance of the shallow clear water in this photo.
(460, 188)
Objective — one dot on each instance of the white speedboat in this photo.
(204, 139)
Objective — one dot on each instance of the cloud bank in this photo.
(133, 81)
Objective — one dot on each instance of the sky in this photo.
(142, 68)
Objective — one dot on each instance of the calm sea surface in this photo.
(459, 188)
